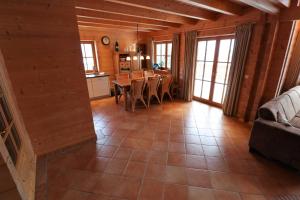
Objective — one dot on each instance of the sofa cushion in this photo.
(295, 122)
(286, 107)
(295, 99)
(268, 111)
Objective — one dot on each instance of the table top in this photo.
(127, 82)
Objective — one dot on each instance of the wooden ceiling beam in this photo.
(263, 5)
(104, 6)
(170, 7)
(122, 18)
(109, 26)
(221, 6)
(110, 22)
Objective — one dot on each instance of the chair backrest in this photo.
(137, 87)
(137, 74)
(166, 82)
(148, 73)
(121, 77)
(153, 83)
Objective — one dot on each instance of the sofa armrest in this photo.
(276, 127)
(276, 141)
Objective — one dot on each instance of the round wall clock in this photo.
(105, 40)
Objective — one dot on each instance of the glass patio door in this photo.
(212, 69)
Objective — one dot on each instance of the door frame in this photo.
(214, 70)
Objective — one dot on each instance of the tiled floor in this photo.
(174, 151)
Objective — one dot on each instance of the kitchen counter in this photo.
(98, 85)
(101, 74)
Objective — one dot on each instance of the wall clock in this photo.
(105, 40)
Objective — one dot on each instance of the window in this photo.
(212, 69)
(163, 53)
(8, 131)
(89, 56)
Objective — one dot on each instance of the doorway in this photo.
(212, 69)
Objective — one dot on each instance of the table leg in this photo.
(116, 94)
(125, 97)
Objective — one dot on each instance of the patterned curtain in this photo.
(240, 52)
(189, 64)
(175, 57)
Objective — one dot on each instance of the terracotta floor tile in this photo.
(176, 192)
(157, 157)
(194, 149)
(123, 153)
(115, 166)
(247, 183)
(97, 164)
(152, 190)
(195, 193)
(194, 161)
(107, 151)
(178, 150)
(84, 180)
(160, 146)
(128, 188)
(192, 139)
(177, 147)
(252, 197)
(107, 184)
(198, 178)
(216, 164)
(176, 175)
(176, 159)
(114, 140)
(205, 132)
(211, 150)
(207, 140)
(226, 195)
(75, 195)
(140, 156)
(177, 138)
(191, 130)
(98, 197)
(156, 171)
(135, 169)
(223, 181)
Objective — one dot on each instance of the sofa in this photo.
(276, 132)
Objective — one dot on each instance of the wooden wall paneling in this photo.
(106, 54)
(250, 67)
(40, 44)
(262, 68)
(278, 60)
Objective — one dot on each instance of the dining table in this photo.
(124, 85)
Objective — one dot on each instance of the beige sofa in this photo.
(276, 132)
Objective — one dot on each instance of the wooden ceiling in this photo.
(153, 15)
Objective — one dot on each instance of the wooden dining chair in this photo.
(121, 77)
(152, 88)
(166, 81)
(148, 73)
(137, 74)
(136, 92)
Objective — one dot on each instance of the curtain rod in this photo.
(207, 29)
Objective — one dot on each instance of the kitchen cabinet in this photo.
(98, 86)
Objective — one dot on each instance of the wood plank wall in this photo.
(106, 52)
(40, 44)
(258, 69)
